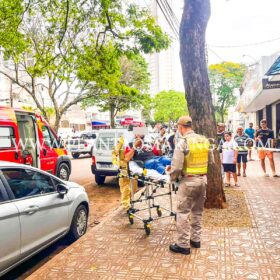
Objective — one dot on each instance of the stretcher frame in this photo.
(148, 194)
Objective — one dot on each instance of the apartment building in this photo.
(165, 67)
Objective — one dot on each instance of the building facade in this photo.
(165, 67)
(260, 93)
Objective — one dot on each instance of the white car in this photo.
(102, 165)
(36, 209)
(82, 145)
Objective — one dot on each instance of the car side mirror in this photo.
(62, 190)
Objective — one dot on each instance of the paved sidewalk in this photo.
(117, 250)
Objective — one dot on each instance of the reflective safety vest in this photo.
(118, 154)
(196, 161)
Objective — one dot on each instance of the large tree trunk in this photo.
(192, 53)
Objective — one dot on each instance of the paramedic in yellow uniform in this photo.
(189, 166)
(124, 182)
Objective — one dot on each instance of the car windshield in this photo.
(89, 136)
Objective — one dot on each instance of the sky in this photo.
(242, 22)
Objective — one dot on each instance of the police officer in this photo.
(124, 181)
(189, 165)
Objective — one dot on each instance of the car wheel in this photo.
(63, 172)
(79, 224)
(99, 179)
(75, 155)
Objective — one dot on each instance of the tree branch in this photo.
(75, 101)
(65, 25)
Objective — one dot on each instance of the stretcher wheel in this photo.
(130, 218)
(147, 228)
(159, 212)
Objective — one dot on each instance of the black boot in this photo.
(195, 244)
(176, 249)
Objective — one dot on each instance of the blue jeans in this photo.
(158, 163)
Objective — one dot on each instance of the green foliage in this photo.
(52, 40)
(169, 106)
(224, 78)
(118, 82)
(11, 12)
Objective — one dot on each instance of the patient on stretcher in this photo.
(138, 151)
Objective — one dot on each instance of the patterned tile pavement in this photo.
(117, 250)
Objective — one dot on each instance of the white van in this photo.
(102, 165)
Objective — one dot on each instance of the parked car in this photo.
(26, 137)
(102, 165)
(36, 209)
(82, 145)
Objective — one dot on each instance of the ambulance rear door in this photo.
(28, 135)
(9, 137)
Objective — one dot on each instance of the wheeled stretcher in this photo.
(155, 186)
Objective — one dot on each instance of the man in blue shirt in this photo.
(250, 131)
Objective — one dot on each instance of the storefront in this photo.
(260, 97)
(130, 121)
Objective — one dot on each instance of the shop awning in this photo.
(274, 69)
(265, 97)
(131, 122)
(99, 123)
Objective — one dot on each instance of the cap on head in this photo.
(185, 121)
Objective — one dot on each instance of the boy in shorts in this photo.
(229, 158)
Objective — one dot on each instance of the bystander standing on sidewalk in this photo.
(250, 131)
(171, 141)
(241, 139)
(161, 141)
(265, 140)
(221, 140)
(229, 158)
(220, 135)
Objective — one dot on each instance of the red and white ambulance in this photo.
(25, 137)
